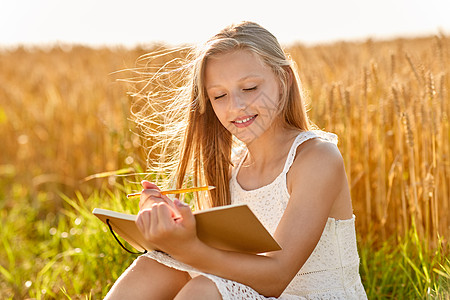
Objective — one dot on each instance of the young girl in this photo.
(292, 177)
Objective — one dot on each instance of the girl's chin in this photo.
(247, 138)
(246, 134)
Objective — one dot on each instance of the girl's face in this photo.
(244, 93)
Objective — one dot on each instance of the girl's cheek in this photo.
(220, 108)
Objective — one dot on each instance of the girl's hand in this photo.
(171, 235)
(151, 195)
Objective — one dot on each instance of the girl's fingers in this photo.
(147, 185)
(151, 194)
(148, 197)
(158, 226)
(173, 207)
(143, 222)
(154, 219)
(185, 213)
(164, 215)
(152, 190)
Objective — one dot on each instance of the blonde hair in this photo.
(204, 151)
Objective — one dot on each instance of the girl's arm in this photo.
(317, 179)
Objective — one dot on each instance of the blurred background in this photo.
(375, 72)
(112, 23)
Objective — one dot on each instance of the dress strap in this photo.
(303, 137)
(240, 159)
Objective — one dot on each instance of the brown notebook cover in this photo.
(231, 228)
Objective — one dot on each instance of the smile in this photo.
(244, 122)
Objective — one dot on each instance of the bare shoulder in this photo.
(315, 153)
(317, 159)
(318, 172)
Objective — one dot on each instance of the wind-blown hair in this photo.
(178, 120)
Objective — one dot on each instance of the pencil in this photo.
(179, 191)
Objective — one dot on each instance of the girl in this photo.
(292, 177)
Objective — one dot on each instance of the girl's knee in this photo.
(146, 278)
(199, 287)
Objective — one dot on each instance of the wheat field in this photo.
(64, 116)
(389, 103)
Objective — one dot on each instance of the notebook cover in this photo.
(231, 228)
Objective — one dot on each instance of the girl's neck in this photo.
(268, 148)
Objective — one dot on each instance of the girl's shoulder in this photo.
(318, 168)
(310, 145)
(317, 155)
(322, 135)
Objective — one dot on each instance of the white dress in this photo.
(331, 271)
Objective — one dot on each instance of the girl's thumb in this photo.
(178, 203)
(183, 208)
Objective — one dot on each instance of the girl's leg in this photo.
(148, 279)
(199, 288)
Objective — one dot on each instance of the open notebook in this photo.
(231, 227)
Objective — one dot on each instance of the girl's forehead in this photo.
(236, 65)
(239, 55)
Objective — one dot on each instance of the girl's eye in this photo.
(251, 89)
(218, 97)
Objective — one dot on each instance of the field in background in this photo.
(64, 117)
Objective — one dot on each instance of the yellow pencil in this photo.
(179, 191)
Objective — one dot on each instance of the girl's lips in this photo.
(244, 122)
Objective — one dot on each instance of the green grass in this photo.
(47, 255)
(69, 254)
(405, 269)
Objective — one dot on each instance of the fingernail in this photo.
(179, 203)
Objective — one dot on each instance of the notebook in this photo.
(230, 227)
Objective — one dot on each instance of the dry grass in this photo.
(63, 117)
(389, 104)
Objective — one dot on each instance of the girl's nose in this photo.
(236, 102)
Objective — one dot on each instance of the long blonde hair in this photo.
(204, 151)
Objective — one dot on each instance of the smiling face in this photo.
(244, 93)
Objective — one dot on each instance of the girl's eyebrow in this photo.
(239, 80)
(249, 76)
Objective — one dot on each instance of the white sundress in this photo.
(331, 271)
